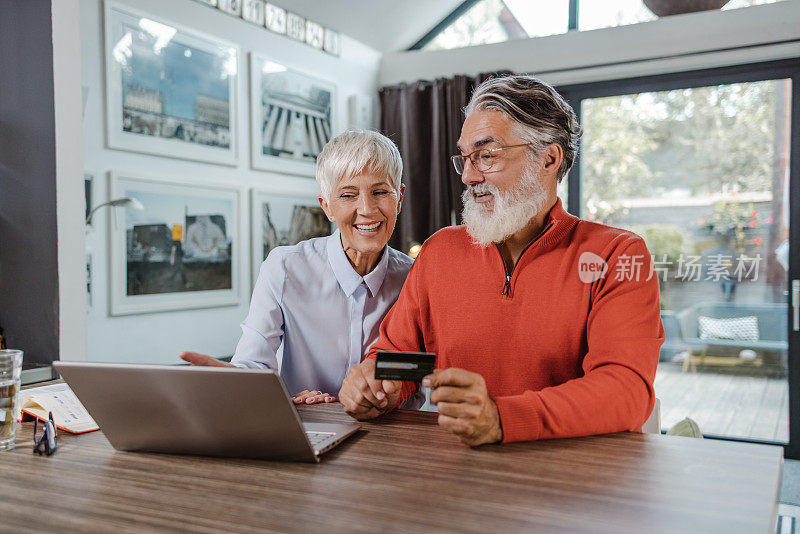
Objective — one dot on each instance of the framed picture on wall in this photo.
(87, 191)
(253, 11)
(88, 282)
(283, 218)
(291, 117)
(178, 247)
(170, 91)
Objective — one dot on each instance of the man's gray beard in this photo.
(510, 211)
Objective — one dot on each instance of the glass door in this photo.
(701, 170)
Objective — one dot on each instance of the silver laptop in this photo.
(210, 411)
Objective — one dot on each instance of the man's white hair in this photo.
(355, 152)
(541, 116)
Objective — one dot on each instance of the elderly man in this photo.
(541, 327)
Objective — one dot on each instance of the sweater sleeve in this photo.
(615, 393)
(401, 329)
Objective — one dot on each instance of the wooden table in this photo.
(400, 473)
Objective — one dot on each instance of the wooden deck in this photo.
(724, 404)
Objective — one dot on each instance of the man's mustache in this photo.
(478, 189)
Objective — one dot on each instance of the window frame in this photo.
(573, 20)
(465, 6)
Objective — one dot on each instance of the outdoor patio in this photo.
(724, 404)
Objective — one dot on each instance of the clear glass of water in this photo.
(10, 369)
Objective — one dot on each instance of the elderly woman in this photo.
(317, 305)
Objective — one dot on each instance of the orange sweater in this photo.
(561, 356)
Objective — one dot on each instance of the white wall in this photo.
(159, 337)
(69, 180)
(672, 44)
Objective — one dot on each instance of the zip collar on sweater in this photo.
(507, 286)
(558, 224)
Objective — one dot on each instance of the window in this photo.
(593, 15)
(736, 4)
(701, 172)
(494, 21)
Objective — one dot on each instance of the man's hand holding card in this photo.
(365, 397)
(464, 405)
(373, 387)
(461, 397)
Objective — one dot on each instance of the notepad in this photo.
(68, 412)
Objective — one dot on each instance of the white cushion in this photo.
(737, 328)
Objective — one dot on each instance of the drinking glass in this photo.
(10, 369)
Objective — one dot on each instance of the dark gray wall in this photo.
(28, 238)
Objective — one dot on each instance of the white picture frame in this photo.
(292, 116)
(332, 42)
(283, 217)
(157, 267)
(192, 115)
(315, 35)
(232, 7)
(253, 12)
(275, 18)
(296, 27)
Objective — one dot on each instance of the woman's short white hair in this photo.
(355, 152)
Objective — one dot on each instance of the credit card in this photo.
(406, 366)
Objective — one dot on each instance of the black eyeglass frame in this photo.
(48, 439)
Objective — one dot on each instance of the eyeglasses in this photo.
(482, 159)
(47, 440)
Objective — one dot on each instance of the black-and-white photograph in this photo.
(304, 223)
(292, 116)
(280, 219)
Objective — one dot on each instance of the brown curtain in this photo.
(424, 119)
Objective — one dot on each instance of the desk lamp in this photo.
(125, 201)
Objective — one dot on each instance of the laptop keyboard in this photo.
(315, 438)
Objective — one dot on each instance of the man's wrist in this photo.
(499, 431)
(497, 435)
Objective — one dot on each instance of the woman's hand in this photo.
(195, 358)
(312, 397)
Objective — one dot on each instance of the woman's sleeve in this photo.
(262, 329)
